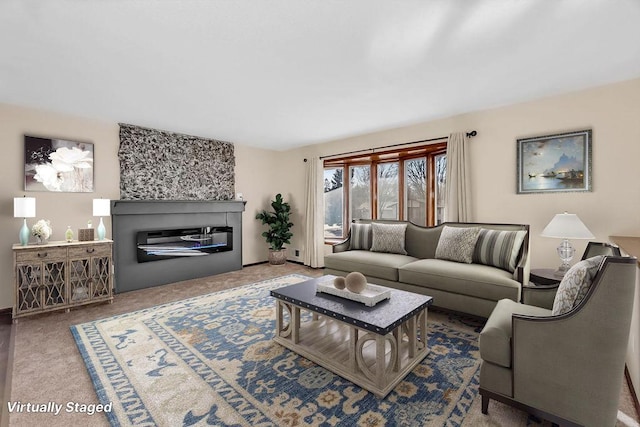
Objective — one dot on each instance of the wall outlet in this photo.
(297, 252)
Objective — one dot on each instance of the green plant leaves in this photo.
(278, 221)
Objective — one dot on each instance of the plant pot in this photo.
(277, 256)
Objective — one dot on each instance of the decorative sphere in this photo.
(356, 282)
(339, 283)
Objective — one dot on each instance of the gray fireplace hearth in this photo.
(188, 239)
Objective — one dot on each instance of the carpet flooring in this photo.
(46, 365)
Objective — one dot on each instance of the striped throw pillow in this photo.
(360, 237)
(498, 248)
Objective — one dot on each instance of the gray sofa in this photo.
(472, 288)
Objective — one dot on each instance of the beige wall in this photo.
(612, 208)
(255, 178)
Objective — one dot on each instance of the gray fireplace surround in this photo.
(132, 216)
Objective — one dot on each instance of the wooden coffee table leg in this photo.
(380, 360)
(353, 341)
(412, 335)
(423, 327)
(397, 334)
(295, 324)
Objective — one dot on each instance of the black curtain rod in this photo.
(469, 135)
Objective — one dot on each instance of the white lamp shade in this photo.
(567, 226)
(24, 207)
(101, 207)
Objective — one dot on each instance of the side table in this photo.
(542, 287)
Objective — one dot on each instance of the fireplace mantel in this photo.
(132, 216)
(156, 207)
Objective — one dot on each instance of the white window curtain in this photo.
(457, 190)
(314, 215)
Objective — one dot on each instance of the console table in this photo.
(61, 275)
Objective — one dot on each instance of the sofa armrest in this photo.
(521, 273)
(342, 246)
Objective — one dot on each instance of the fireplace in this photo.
(158, 242)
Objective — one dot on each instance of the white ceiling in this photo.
(285, 73)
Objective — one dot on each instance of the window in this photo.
(402, 184)
(333, 202)
(388, 201)
(360, 192)
(415, 181)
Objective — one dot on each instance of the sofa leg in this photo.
(485, 404)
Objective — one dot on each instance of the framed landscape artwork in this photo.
(57, 165)
(554, 163)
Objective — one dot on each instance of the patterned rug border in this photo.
(98, 386)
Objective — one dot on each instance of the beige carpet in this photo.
(47, 366)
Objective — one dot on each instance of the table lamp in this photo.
(101, 207)
(24, 207)
(566, 226)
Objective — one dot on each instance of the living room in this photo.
(610, 109)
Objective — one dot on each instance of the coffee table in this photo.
(373, 347)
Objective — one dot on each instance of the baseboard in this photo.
(632, 391)
(254, 263)
(289, 260)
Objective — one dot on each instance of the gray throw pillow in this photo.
(498, 248)
(388, 238)
(457, 243)
(360, 237)
(575, 285)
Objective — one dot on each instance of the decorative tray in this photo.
(370, 296)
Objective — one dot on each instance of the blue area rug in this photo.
(210, 360)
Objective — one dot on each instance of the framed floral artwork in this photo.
(57, 165)
(554, 163)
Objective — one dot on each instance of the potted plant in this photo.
(279, 229)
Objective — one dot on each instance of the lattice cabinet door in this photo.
(90, 277)
(41, 276)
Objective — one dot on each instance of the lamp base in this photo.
(24, 233)
(566, 252)
(101, 230)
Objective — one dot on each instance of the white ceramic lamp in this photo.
(566, 226)
(24, 207)
(101, 207)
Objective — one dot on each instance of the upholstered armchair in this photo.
(600, 248)
(564, 368)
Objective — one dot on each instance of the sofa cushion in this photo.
(457, 243)
(476, 280)
(372, 264)
(575, 285)
(388, 238)
(498, 248)
(360, 237)
(495, 338)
